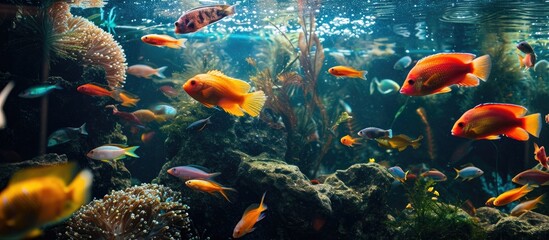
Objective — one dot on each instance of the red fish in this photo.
(541, 156)
(490, 120)
(344, 71)
(197, 18)
(436, 73)
(169, 91)
(93, 89)
(532, 177)
(163, 41)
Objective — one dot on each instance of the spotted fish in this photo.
(197, 18)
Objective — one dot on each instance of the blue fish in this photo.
(67, 134)
(373, 132)
(163, 109)
(468, 173)
(398, 173)
(38, 91)
(200, 124)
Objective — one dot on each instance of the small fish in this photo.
(169, 91)
(67, 134)
(373, 133)
(532, 177)
(398, 173)
(529, 59)
(541, 156)
(3, 96)
(526, 206)
(512, 195)
(208, 186)
(165, 110)
(144, 71)
(490, 120)
(343, 71)
(436, 73)
(468, 173)
(197, 18)
(112, 152)
(147, 116)
(216, 89)
(349, 141)
(199, 125)
(402, 63)
(38, 91)
(147, 137)
(386, 86)
(163, 41)
(252, 215)
(127, 99)
(94, 89)
(191, 172)
(409, 206)
(126, 116)
(41, 196)
(490, 202)
(400, 142)
(435, 175)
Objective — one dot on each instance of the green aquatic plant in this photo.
(203, 57)
(428, 218)
(148, 211)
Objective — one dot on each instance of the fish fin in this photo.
(34, 233)
(160, 72)
(231, 108)
(181, 42)
(469, 80)
(443, 90)
(417, 143)
(400, 149)
(120, 157)
(230, 10)
(83, 130)
(457, 173)
(482, 67)
(532, 124)
(222, 191)
(362, 74)
(390, 135)
(129, 102)
(130, 151)
(235, 84)
(253, 103)
(79, 191)
(406, 175)
(3, 95)
(517, 110)
(372, 86)
(464, 57)
(63, 171)
(492, 137)
(212, 175)
(521, 60)
(261, 216)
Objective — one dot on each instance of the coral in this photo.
(148, 211)
(97, 47)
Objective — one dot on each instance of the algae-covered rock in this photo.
(359, 195)
(530, 225)
(7, 170)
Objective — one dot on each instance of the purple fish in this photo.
(197, 18)
(191, 172)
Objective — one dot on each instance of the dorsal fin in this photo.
(116, 145)
(464, 57)
(517, 110)
(63, 171)
(235, 84)
(205, 169)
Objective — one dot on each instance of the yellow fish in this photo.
(399, 142)
(512, 195)
(36, 197)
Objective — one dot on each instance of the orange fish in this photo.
(208, 186)
(436, 73)
(93, 89)
(541, 156)
(343, 71)
(349, 141)
(526, 206)
(37, 197)
(163, 41)
(252, 215)
(526, 62)
(147, 116)
(489, 120)
(214, 88)
(490, 202)
(512, 195)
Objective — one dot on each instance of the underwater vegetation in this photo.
(428, 218)
(148, 211)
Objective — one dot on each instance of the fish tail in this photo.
(82, 129)
(160, 72)
(253, 103)
(362, 74)
(262, 206)
(212, 175)
(79, 192)
(130, 151)
(56, 86)
(521, 60)
(373, 86)
(222, 191)
(482, 66)
(129, 102)
(417, 143)
(181, 42)
(457, 173)
(406, 175)
(231, 10)
(532, 124)
(390, 133)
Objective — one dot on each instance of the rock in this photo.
(359, 201)
(7, 170)
(530, 225)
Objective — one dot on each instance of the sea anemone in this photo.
(148, 211)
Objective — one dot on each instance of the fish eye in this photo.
(176, 24)
(193, 82)
(174, 170)
(460, 124)
(411, 82)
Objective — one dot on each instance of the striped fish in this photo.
(197, 18)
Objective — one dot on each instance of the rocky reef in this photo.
(499, 225)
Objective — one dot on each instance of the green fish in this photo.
(38, 91)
